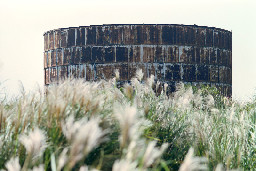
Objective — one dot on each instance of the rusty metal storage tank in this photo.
(173, 53)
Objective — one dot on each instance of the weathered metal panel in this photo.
(75, 72)
(167, 35)
(75, 55)
(229, 76)
(97, 54)
(191, 35)
(46, 42)
(46, 76)
(213, 56)
(154, 34)
(99, 36)
(63, 72)
(134, 54)
(127, 34)
(139, 35)
(221, 43)
(71, 37)
(230, 43)
(49, 59)
(187, 54)
(80, 41)
(51, 40)
(200, 36)
(110, 54)
(176, 72)
(82, 71)
(150, 69)
(222, 57)
(221, 74)
(159, 56)
(172, 54)
(182, 54)
(67, 56)
(45, 59)
(90, 35)
(180, 35)
(214, 73)
(203, 73)
(113, 35)
(53, 58)
(186, 35)
(204, 55)
(121, 54)
(106, 31)
(59, 56)
(104, 71)
(64, 37)
(89, 72)
(86, 55)
(216, 38)
(99, 72)
(169, 73)
(148, 54)
(146, 36)
(197, 55)
(57, 39)
(160, 70)
(209, 37)
(189, 73)
(108, 71)
(53, 74)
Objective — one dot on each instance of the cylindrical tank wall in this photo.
(189, 53)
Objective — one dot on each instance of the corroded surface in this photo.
(192, 54)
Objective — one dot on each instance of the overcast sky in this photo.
(22, 24)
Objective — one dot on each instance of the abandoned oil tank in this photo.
(173, 53)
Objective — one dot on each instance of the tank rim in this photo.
(183, 25)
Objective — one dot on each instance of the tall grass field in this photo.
(78, 125)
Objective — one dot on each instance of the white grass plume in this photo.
(86, 134)
(124, 165)
(63, 158)
(34, 142)
(152, 153)
(191, 163)
(139, 74)
(131, 123)
(117, 74)
(38, 168)
(13, 164)
(150, 81)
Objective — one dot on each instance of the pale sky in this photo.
(22, 24)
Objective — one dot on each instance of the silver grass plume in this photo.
(124, 165)
(13, 164)
(152, 153)
(34, 142)
(192, 163)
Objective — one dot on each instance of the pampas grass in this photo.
(79, 125)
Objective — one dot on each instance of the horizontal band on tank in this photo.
(137, 35)
(162, 72)
(141, 53)
(143, 63)
(226, 89)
